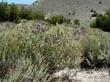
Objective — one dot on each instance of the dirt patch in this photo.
(74, 75)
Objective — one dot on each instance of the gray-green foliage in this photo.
(47, 50)
(35, 56)
(97, 50)
(58, 19)
(26, 71)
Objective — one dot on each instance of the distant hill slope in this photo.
(75, 9)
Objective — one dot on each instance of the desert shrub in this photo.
(96, 52)
(30, 15)
(18, 48)
(60, 49)
(102, 22)
(94, 14)
(107, 12)
(53, 49)
(93, 24)
(26, 14)
(39, 16)
(76, 22)
(18, 21)
(58, 19)
(26, 71)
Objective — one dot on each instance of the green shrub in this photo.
(96, 52)
(102, 22)
(108, 12)
(39, 16)
(26, 14)
(76, 22)
(30, 15)
(14, 13)
(4, 11)
(18, 21)
(58, 19)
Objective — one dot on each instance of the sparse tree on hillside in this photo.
(23, 14)
(30, 15)
(10, 12)
(14, 13)
(4, 11)
(26, 13)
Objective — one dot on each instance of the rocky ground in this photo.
(75, 75)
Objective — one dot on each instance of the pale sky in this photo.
(19, 1)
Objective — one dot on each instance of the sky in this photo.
(19, 1)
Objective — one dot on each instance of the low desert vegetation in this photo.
(47, 51)
(59, 19)
(27, 56)
(76, 22)
(96, 50)
(30, 15)
(102, 22)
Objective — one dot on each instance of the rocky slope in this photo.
(74, 9)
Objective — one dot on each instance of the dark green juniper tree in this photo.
(14, 13)
(4, 11)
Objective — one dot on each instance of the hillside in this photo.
(74, 9)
